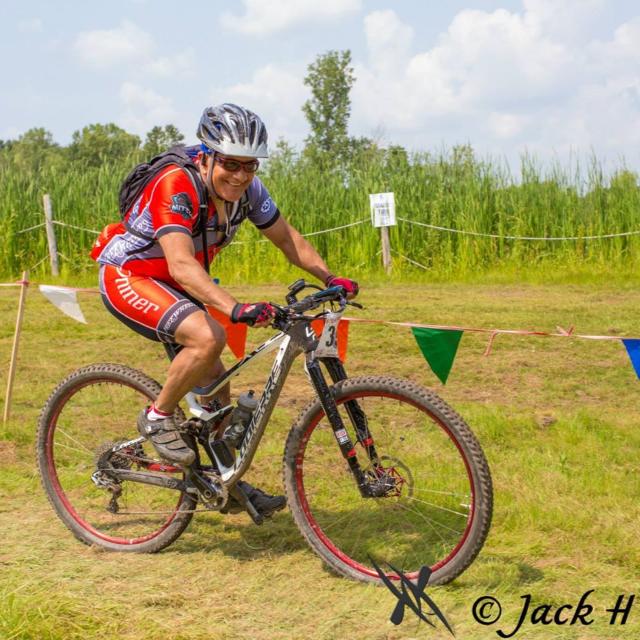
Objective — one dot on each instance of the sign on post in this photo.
(383, 215)
(383, 209)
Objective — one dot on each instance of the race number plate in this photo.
(328, 345)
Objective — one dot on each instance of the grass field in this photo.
(557, 419)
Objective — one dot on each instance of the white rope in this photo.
(491, 235)
(37, 264)
(31, 228)
(73, 226)
(344, 226)
(304, 235)
(410, 260)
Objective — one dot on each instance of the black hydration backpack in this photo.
(143, 173)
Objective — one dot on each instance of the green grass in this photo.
(557, 419)
(451, 189)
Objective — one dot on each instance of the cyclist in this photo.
(159, 288)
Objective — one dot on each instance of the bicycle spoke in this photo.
(66, 446)
(444, 526)
(437, 506)
(66, 435)
(430, 522)
(77, 457)
(429, 500)
(333, 523)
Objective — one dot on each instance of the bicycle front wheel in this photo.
(437, 509)
(90, 413)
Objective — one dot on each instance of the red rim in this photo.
(53, 476)
(318, 529)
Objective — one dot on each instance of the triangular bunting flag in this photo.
(633, 349)
(65, 299)
(439, 348)
(236, 333)
(343, 335)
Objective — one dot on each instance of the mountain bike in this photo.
(374, 467)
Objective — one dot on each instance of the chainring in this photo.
(222, 493)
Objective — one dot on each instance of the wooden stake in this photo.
(386, 248)
(14, 351)
(51, 235)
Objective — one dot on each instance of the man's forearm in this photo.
(302, 254)
(190, 275)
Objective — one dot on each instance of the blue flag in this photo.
(633, 349)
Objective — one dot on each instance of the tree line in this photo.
(330, 78)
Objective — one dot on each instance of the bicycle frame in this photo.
(299, 338)
(295, 339)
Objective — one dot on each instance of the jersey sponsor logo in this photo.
(172, 321)
(181, 203)
(266, 205)
(132, 298)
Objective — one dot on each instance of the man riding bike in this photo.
(152, 276)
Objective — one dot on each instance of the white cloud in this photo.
(569, 20)
(130, 46)
(388, 41)
(504, 81)
(102, 49)
(180, 63)
(144, 108)
(276, 94)
(263, 18)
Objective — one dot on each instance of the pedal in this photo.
(239, 494)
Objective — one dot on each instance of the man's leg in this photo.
(170, 314)
(198, 364)
(202, 340)
(221, 397)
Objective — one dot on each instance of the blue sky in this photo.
(556, 78)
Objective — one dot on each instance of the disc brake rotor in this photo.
(394, 474)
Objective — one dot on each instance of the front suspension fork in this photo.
(356, 415)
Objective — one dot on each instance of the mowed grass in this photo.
(557, 419)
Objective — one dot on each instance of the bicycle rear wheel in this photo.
(437, 510)
(90, 411)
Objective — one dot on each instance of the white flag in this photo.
(65, 299)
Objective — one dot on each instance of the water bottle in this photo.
(240, 419)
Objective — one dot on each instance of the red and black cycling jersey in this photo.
(169, 203)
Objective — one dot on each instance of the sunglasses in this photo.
(228, 164)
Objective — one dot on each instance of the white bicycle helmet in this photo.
(233, 131)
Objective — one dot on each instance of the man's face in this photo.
(232, 176)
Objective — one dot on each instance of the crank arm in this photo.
(242, 498)
(205, 489)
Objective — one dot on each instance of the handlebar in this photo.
(296, 309)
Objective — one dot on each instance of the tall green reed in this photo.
(451, 189)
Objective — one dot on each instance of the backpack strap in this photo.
(203, 213)
(142, 174)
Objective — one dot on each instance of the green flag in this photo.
(439, 348)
